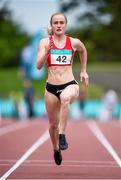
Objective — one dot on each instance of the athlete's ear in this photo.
(49, 30)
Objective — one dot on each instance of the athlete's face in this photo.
(58, 24)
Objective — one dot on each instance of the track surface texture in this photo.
(26, 152)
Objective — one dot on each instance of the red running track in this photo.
(26, 151)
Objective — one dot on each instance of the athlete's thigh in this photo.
(52, 106)
(71, 91)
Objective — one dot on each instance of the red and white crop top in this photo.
(60, 57)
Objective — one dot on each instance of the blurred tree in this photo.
(98, 24)
(88, 12)
(12, 38)
(110, 43)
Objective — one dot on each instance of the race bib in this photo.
(61, 57)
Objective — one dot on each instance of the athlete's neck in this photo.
(59, 38)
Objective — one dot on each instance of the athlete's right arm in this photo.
(42, 53)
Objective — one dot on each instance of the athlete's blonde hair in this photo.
(58, 13)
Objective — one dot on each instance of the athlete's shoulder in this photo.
(76, 43)
(75, 40)
(44, 40)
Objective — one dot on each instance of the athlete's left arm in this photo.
(81, 49)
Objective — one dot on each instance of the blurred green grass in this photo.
(101, 66)
(11, 81)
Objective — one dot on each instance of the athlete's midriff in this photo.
(60, 75)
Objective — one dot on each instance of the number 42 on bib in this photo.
(61, 57)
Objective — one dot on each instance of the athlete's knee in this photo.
(65, 100)
(53, 125)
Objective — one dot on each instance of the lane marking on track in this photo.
(67, 165)
(71, 179)
(35, 146)
(14, 127)
(100, 136)
(71, 163)
(11, 161)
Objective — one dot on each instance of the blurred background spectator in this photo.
(110, 100)
(29, 97)
(81, 99)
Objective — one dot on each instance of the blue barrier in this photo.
(91, 109)
(7, 108)
(39, 108)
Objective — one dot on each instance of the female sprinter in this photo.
(57, 51)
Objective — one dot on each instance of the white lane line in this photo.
(100, 136)
(70, 163)
(14, 127)
(67, 165)
(11, 161)
(38, 143)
